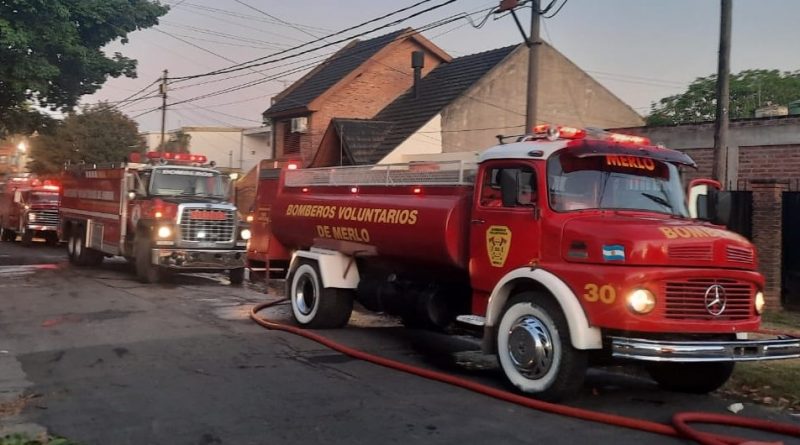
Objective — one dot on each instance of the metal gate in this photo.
(790, 247)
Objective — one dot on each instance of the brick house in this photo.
(356, 82)
(766, 152)
(462, 105)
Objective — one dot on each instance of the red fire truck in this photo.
(562, 249)
(29, 208)
(169, 214)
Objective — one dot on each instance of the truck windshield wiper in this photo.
(658, 200)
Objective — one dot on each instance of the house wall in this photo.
(767, 152)
(496, 104)
(370, 88)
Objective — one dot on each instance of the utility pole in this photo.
(720, 171)
(534, 43)
(163, 89)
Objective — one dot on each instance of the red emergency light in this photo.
(54, 188)
(628, 139)
(177, 157)
(291, 166)
(554, 132)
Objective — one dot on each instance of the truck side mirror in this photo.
(508, 187)
(708, 202)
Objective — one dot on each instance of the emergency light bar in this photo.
(177, 157)
(554, 132)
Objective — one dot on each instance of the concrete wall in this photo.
(496, 104)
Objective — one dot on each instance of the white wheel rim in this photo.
(527, 371)
(305, 293)
(71, 245)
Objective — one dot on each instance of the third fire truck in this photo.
(29, 208)
(563, 249)
(170, 213)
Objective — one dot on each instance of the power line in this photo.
(258, 61)
(250, 17)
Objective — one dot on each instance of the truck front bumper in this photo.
(195, 259)
(705, 351)
(40, 228)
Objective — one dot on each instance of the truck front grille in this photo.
(742, 255)
(208, 225)
(686, 299)
(45, 218)
(700, 252)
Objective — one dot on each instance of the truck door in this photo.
(505, 224)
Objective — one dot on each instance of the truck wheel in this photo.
(146, 271)
(9, 235)
(82, 255)
(236, 276)
(535, 351)
(27, 238)
(314, 306)
(695, 378)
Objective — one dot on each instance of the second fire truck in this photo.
(171, 213)
(29, 208)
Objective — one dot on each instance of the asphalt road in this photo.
(99, 358)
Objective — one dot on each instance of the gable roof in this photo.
(407, 114)
(359, 137)
(319, 80)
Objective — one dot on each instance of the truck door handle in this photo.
(477, 221)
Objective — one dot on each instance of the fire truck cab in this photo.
(29, 208)
(169, 214)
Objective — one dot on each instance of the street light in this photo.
(22, 147)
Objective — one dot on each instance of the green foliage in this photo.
(750, 89)
(97, 134)
(51, 52)
(179, 142)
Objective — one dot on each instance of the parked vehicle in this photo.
(563, 249)
(29, 209)
(169, 214)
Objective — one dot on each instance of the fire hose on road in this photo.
(681, 421)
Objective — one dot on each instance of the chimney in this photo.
(417, 62)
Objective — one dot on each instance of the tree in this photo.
(98, 134)
(51, 52)
(750, 89)
(178, 142)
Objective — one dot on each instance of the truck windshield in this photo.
(186, 182)
(44, 198)
(614, 182)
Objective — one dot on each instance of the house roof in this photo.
(407, 114)
(359, 137)
(300, 95)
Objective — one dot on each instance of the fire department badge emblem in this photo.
(498, 242)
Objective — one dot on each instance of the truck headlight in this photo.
(31, 217)
(760, 302)
(245, 234)
(641, 301)
(164, 232)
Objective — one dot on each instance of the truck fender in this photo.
(583, 335)
(336, 269)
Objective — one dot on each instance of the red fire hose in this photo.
(681, 421)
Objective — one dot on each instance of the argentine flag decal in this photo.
(614, 252)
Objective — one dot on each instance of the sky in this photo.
(641, 50)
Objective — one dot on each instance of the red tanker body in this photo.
(559, 248)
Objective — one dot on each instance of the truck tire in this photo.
(695, 378)
(9, 235)
(146, 271)
(81, 254)
(534, 348)
(27, 238)
(236, 276)
(314, 306)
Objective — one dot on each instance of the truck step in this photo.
(473, 320)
